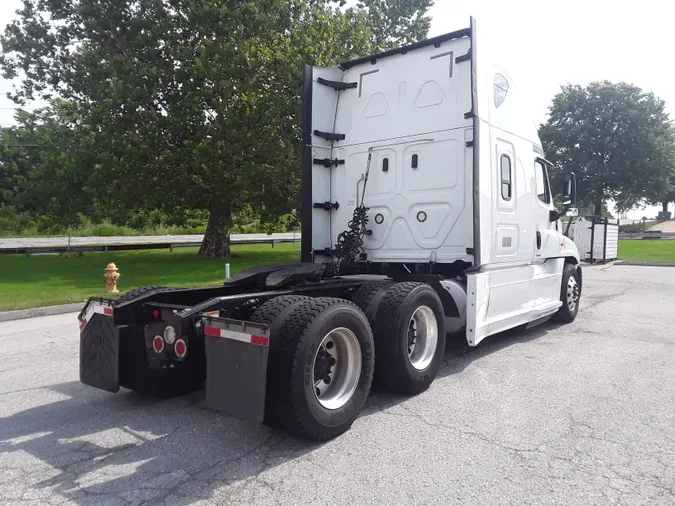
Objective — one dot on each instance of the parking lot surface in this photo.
(578, 414)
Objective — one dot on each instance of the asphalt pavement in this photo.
(578, 414)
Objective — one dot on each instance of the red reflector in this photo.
(180, 348)
(155, 313)
(260, 340)
(108, 311)
(158, 344)
(83, 324)
(212, 331)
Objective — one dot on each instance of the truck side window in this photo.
(505, 164)
(541, 175)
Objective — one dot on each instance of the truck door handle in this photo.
(538, 239)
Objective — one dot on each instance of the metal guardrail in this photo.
(133, 246)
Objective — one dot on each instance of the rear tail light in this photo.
(158, 344)
(180, 348)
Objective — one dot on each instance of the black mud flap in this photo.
(99, 347)
(236, 367)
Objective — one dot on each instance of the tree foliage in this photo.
(396, 22)
(615, 137)
(192, 105)
(44, 163)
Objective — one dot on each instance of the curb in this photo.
(599, 265)
(21, 314)
(644, 264)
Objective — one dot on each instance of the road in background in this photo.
(664, 226)
(45, 242)
(577, 414)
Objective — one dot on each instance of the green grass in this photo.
(44, 280)
(656, 251)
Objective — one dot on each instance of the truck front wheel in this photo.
(320, 367)
(570, 293)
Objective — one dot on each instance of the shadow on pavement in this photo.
(96, 448)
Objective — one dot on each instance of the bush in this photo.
(155, 222)
(631, 228)
(105, 230)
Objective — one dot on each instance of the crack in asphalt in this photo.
(540, 449)
(194, 474)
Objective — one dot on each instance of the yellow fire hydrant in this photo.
(111, 276)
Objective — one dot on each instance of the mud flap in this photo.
(236, 367)
(99, 348)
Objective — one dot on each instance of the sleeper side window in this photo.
(505, 169)
(541, 175)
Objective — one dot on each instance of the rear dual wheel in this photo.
(408, 325)
(320, 364)
(141, 291)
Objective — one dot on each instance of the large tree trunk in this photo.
(598, 205)
(665, 206)
(216, 243)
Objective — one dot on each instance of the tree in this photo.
(665, 194)
(14, 163)
(396, 22)
(44, 164)
(194, 104)
(615, 137)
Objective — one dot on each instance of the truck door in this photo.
(547, 267)
(546, 243)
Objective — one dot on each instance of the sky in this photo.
(545, 44)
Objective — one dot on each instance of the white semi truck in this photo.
(426, 209)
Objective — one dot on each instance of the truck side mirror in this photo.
(569, 198)
(570, 190)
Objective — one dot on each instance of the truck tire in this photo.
(409, 338)
(368, 297)
(273, 312)
(134, 374)
(134, 293)
(320, 367)
(570, 293)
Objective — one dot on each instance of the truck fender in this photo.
(457, 292)
(450, 307)
(569, 250)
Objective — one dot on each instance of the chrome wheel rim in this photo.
(422, 337)
(572, 294)
(336, 368)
